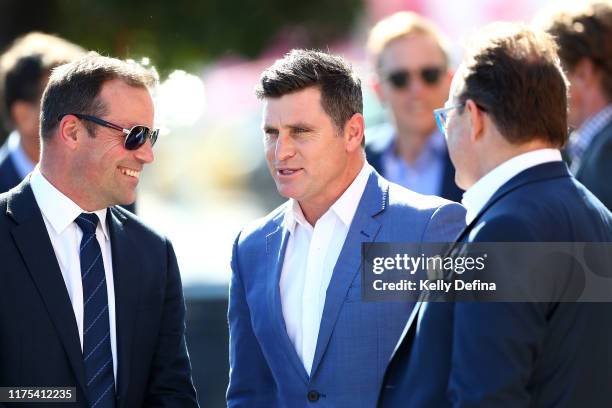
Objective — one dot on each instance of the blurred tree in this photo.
(182, 33)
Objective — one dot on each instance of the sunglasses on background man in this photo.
(401, 78)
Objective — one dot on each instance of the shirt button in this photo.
(313, 396)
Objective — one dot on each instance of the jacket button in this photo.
(313, 396)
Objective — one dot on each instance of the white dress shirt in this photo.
(475, 198)
(310, 258)
(59, 213)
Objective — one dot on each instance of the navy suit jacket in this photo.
(356, 338)
(595, 167)
(474, 354)
(8, 173)
(39, 340)
(449, 189)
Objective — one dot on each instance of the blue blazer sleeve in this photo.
(250, 383)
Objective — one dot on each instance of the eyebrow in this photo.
(293, 126)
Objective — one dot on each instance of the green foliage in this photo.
(185, 33)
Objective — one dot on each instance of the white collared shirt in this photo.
(59, 213)
(475, 198)
(310, 258)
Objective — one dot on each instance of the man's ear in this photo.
(70, 130)
(476, 116)
(354, 130)
(377, 86)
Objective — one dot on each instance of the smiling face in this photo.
(107, 172)
(307, 155)
(412, 105)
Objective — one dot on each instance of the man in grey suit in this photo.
(585, 49)
(299, 331)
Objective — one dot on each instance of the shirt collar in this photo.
(20, 159)
(345, 206)
(60, 210)
(475, 198)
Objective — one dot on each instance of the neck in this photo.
(593, 105)
(62, 179)
(31, 147)
(410, 143)
(506, 151)
(314, 209)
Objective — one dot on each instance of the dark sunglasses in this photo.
(401, 78)
(134, 137)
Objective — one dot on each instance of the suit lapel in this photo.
(126, 274)
(32, 240)
(276, 245)
(363, 229)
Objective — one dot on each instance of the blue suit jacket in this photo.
(513, 354)
(355, 338)
(39, 338)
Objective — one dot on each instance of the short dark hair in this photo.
(340, 88)
(75, 87)
(27, 62)
(586, 34)
(513, 73)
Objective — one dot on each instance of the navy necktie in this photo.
(97, 354)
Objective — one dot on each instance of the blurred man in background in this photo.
(299, 331)
(505, 121)
(24, 71)
(585, 47)
(412, 78)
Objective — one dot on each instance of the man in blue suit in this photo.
(505, 120)
(299, 333)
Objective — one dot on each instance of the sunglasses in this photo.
(134, 137)
(401, 78)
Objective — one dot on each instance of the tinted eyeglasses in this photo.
(441, 116)
(134, 137)
(429, 75)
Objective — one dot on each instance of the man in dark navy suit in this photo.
(505, 120)
(90, 297)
